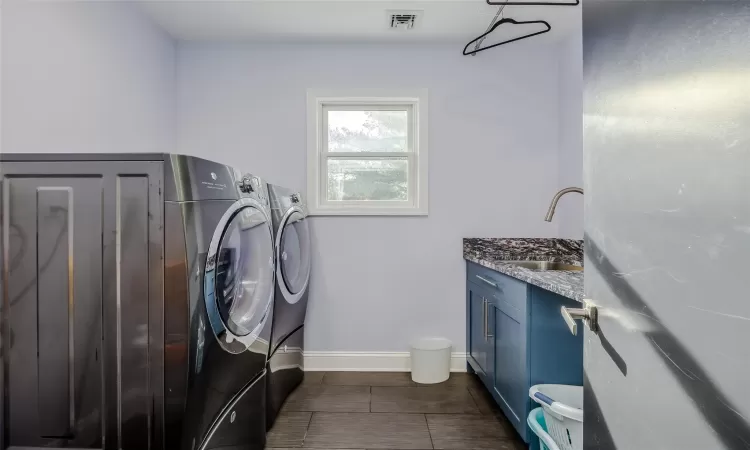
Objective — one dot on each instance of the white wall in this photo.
(85, 77)
(379, 282)
(569, 213)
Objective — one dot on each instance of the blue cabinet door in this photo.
(477, 331)
(510, 364)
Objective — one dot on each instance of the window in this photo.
(367, 152)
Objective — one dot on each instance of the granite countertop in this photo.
(495, 254)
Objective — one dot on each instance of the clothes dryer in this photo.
(293, 261)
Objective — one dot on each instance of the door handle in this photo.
(484, 317)
(487, 281)
(487, 334)
(589, 314)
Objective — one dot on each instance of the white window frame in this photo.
(319, 102)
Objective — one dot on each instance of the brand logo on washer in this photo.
(212, 184)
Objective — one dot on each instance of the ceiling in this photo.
(440, 21)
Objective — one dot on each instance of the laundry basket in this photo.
(563, 413)
(539, 427)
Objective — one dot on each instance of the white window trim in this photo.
(317, 100)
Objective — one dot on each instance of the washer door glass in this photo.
(295, 253)
(244, 272)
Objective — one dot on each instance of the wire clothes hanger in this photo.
(498, 15)
(479, 39)
(503, 2)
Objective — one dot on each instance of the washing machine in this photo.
(292, 246)
(139, 302)
(228, 256)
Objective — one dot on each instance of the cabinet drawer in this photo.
(503, 288)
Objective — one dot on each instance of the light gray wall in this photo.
(569, 215)
(101, 78)
(85, 77)
(378, 282)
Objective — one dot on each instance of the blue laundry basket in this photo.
(539, 427)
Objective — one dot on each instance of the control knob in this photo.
(246, 185)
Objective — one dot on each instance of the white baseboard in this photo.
(370, 361)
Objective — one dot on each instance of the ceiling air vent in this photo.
(403, 20)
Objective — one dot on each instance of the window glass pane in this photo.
(368, 131)
(367, 179)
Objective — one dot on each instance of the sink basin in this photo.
(545, 265)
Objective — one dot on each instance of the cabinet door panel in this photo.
(477, 331)
(510, 365)
(73, 377)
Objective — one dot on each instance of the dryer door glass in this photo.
(295, 253)
(244, 272)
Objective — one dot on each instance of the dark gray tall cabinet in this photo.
(82, 304)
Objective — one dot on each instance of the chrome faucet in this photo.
(556, 198)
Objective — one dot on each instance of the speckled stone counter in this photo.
(495, 254)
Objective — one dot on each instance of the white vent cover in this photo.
(403, 20)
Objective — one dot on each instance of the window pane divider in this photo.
(367, 155)
(369, 203)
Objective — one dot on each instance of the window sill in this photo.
(367, 212)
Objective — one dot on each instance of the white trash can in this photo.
(430, 360)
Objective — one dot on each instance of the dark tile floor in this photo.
(378, 410)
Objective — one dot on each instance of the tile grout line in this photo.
(476, 403)
(307, 428)
(429, 433)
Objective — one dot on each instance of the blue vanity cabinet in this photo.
(526, 341)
